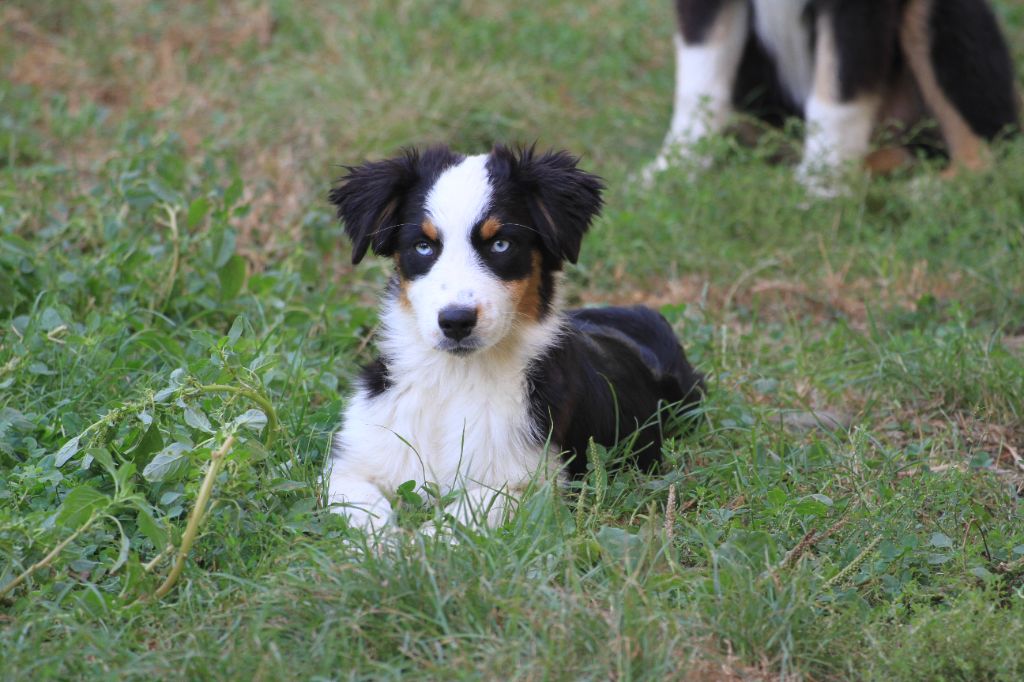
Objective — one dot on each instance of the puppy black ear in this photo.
(369, 198)
(562, 199)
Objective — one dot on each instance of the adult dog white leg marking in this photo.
(705, 74)
(838, 132)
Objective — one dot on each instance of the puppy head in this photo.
(476, 240)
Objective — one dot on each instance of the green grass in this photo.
(164, 234)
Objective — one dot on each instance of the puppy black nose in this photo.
(457, 321)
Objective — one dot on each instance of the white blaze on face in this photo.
(457, 202)
(461, 196)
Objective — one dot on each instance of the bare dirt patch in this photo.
(711, 666)
(828, 297)
(150, 54)
(161, 62)
(956, 439)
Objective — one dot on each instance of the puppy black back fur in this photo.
(614, 372)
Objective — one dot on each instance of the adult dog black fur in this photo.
(852, 69)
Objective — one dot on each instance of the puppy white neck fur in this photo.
(461, 422)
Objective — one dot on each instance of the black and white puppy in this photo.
(846, 66)
(482, 380)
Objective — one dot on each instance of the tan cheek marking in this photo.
(429, 229)
(403, 289)
(490, 228)
(526, 292)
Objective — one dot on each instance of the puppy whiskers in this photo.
(385, 228)
(525, 227)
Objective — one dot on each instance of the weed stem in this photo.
(842, 575)
(196, 517)
(49, 558)
(172, 273)
(268, 407)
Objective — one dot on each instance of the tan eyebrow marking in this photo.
(429, 229)
(490, 227)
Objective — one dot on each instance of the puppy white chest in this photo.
(782, 29)
(445, 425)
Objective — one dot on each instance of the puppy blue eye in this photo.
(424, 248)
(500, 245)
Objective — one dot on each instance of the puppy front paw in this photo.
(369, 520)
(359, 501)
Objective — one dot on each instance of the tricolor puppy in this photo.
(849, 67)
(482, 380)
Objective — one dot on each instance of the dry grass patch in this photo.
(821, 298)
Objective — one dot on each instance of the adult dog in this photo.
(849, 68)
(482, 379)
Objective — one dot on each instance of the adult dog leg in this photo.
(852, 61)
(709, 45)
(965, 75)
